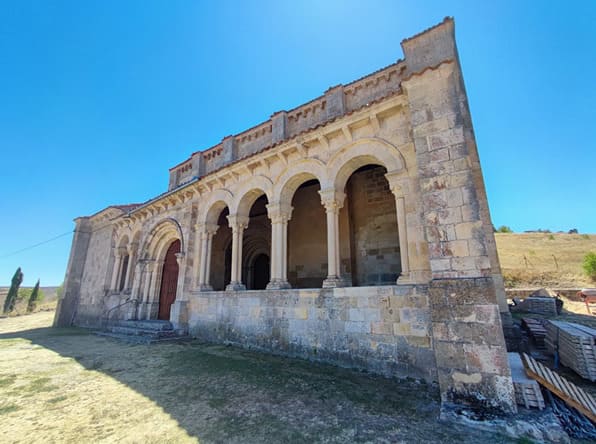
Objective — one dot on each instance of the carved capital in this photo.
(332, 200)
(279, 213)
(132, 248)
(237, 222)
(180, 258)
(398, 183)
(206, 230)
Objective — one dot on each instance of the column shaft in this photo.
(279, 215)
(332, 201)
(237, 224)
(115, 272)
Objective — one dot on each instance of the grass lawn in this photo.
(66, 385)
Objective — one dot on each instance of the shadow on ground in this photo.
(224, 394)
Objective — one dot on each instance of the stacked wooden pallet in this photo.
(536, 331)
(576, 345)
(545, 306)
(527, 391)
(570, 393)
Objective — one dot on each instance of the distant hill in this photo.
(544, 259)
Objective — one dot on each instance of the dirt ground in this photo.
(66, 385)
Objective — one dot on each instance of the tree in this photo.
(34, 298)
(573, 231)
(11, 297)
(60, 291)
(589, 265)
(504, 229)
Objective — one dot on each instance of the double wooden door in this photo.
(169, 281)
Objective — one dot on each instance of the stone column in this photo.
(181, 259)
(152, 298)
(332, 200)
(279, 215)
(205, 232)
(132, 257)
(397, 186)
(237, 224)
(116, 270)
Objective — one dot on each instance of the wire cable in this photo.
(36, 245)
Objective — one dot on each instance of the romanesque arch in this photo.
(295, 175)
(155, 248)
(159, 238)
(372, 241)
(360, 153)
(255, 188)
(216, 201)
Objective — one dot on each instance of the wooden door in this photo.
(169, 281)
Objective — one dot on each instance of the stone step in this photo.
(142, 339)
(134, 331)
(154, 325)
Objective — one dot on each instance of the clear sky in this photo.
(99, 98)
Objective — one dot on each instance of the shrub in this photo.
(589, 265)
(504, 229)
(551, 237)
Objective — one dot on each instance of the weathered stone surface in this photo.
(372, 190)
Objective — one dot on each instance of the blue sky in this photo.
(99, 98)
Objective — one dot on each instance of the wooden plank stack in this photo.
(527, 391)
(576, 345)
(572, 395)
(536, 331)
(546, 306)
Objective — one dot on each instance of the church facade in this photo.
(353, 229)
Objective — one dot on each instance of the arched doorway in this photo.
(260, 272)
(169, 281)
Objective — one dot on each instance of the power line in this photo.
(36, 245)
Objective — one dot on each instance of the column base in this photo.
(278, 284)
(414, 277)
(235, 286)
(204, 287)
(333, 282)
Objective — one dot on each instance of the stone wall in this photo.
(385, 330)
(439, 321)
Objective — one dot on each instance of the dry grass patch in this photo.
(544, 260)
(65, 385)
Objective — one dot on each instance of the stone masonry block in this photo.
(469, 230)
(401, 329)
(486, 359)
(445, 138)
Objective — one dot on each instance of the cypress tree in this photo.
(11, 297)
(32, 304)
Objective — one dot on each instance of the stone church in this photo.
(353, 229)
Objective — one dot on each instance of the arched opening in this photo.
(256, 242)
(260, 272)
(372, 233)
(169, 281)
(307, 238)
(221, 254)
(123, 272)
